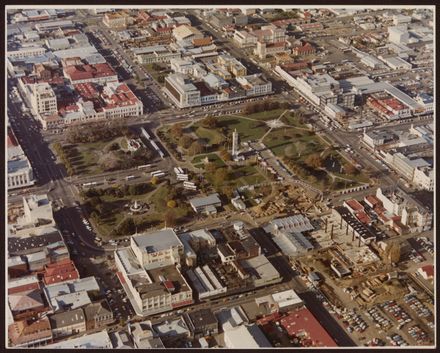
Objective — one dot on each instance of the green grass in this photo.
(247, 129)
(292, 120)
(213, 137)
(302, 142)
(213, 158)
(246, 175)
(266, 115)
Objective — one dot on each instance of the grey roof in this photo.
(17, 245)
(200, 318)
(157, 241)
(205, 200)
(67, 318)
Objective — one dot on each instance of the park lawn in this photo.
(247, 129)
(213, 136)
(87, 156)
(277, 140)
(358, 178)
(292, 120)
(266, 115)
(213, 158)
(246, 175)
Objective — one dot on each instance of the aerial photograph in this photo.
(238, 177)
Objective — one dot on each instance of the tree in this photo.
(221, 175)
(114, 146)
(392, 252)
(290, 151)
(350, 169)
(95, 201)
(314, 161)
(161, 78)
(209, 122)
(225, 155)
(185, 141)
(154, 180)
(195, 148)
(126, 227)
(171, 204)
(177, 131)
(170, 218)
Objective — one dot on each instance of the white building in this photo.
(26, 52)
(398, 35)
(254, 85)
(246, 337)
(20, 172)
(182, 91)
(148, 272)
(98, 340)
(155, 54)
(413, 214)
(43, 98)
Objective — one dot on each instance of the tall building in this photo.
(43, 99)
(234, 143)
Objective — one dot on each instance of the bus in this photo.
(93, 183)
(145, 166)
(130, 177)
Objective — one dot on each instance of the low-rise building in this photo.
(20, 173)
(30, 333)
(201, 323)
(99, 340)
(68, 323)
(280, 302)
(206, 204)
(260, 271)
(148, 273)
(246, 337)
(155, 54)
(61, 271)
(98, 315)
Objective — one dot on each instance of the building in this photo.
(398, 35)
(304, 49)
(98, 315)
(182, 91)
(412, 213)
(144, 337)
(115, 20)
(42, 98)
(206, 204)
(259, 270)
(37, 212)
(155, 54)
(20, 173)
(30, 333)
(427, 272)
(157, 249)
(96, 73)
(148, 273)
(205, 282)
(246, 337)
(280, 302)
(296, 223)
(303, 325)
(25, 52)
(201, 323)
(70, 294)
(186, 32)
(99, 340)
(255, 85)
(68, 323)
(61, 271)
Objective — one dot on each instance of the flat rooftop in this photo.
(157, 241)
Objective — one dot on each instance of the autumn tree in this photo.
(195, 148)
(350, 169)
(185, 141)
(314, 161)
(209, 122)
(170, 218)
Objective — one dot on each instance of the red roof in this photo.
(302, 323)
(12, 141)
(24, 287)
(85, 72)
(363, 217)
(354, 205)
(60, 271)
(429, 270)
(372, 200)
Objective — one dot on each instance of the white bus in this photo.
(93, 183)
(156, 172)
(145, 166)
(129, 177)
